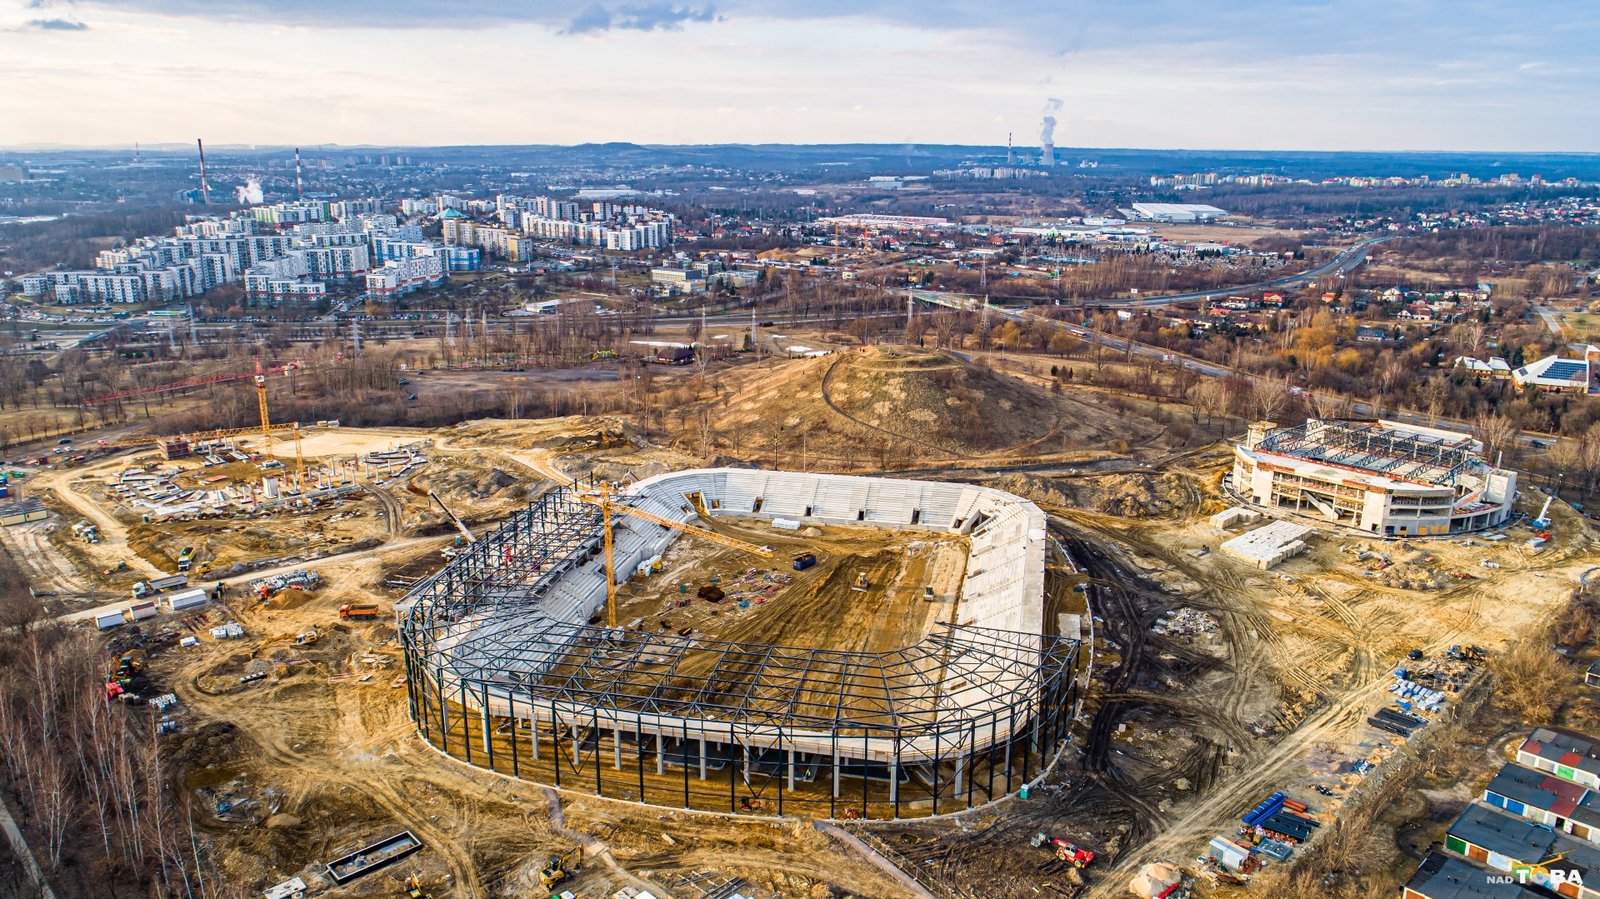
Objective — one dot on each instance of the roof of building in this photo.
(1494, 365)
(1546, 792)
(1388, 454)
(1158, 210)
(1564, 748)
(1510, 835)
(1554, 371)
(1522, 840)
(1442, 876)
(22, 507)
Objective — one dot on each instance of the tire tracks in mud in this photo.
(265, 730)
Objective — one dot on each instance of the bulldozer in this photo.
(559, 868)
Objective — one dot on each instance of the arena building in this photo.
(1380, 477)
(507, 670)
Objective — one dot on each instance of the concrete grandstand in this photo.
(1380, 477)
(505, 669)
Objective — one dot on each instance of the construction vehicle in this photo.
(559, 868)
(157, 585)
(608, 506)
(413, 886)
(1543, 521)
(861, 584)
(461, 526)
(358, 611)
(308, 638)
(131, 663)
(186, 558)
(1065, 850)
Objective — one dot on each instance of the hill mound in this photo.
(940, 399)
(881, 406)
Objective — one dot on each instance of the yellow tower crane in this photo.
(299, 464)
(261, 400)
(602, 498)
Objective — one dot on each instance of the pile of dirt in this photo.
(1126, 495)
(1136, 495)
(464, 481)
(1406, 576)
(938, 398)
(875, 407)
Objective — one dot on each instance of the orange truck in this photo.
(358, 611)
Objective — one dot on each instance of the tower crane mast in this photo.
(602, 497)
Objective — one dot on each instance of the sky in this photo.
(1234, 74)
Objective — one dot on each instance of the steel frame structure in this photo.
(958, 719)
(1424, 459)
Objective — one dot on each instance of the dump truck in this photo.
(359, 611)
(158, 585)
(186, 558)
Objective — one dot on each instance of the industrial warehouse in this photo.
(1379, 477)
(506, 670)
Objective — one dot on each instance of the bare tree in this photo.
(1269, 398)
(1498, 434)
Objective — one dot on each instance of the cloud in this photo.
(643, 17)
(57, 25)
(595, 18)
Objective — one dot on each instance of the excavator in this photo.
(602, 497)
(461, 526)
(559, 868)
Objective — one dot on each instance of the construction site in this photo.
(829, 646)
(506, 670)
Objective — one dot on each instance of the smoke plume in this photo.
(250, 193)
(1047, 128)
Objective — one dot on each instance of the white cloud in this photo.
(1367, 74)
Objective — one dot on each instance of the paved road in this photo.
(1550, 320)
(237, 583)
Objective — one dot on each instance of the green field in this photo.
(1581, 324)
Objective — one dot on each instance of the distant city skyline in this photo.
(1249, 74)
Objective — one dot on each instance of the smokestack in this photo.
(297, 183)
(205, 189)
(1047, 132)
(1011, 153)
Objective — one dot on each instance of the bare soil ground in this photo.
(769, 602)
(1190, 731)
(881, 407)
(1183, 732)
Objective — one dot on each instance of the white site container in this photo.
(108, 620)
(188, 599)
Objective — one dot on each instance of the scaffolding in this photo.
(505, 671)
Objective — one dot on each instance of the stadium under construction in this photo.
(507, 670)
(1379, 477)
